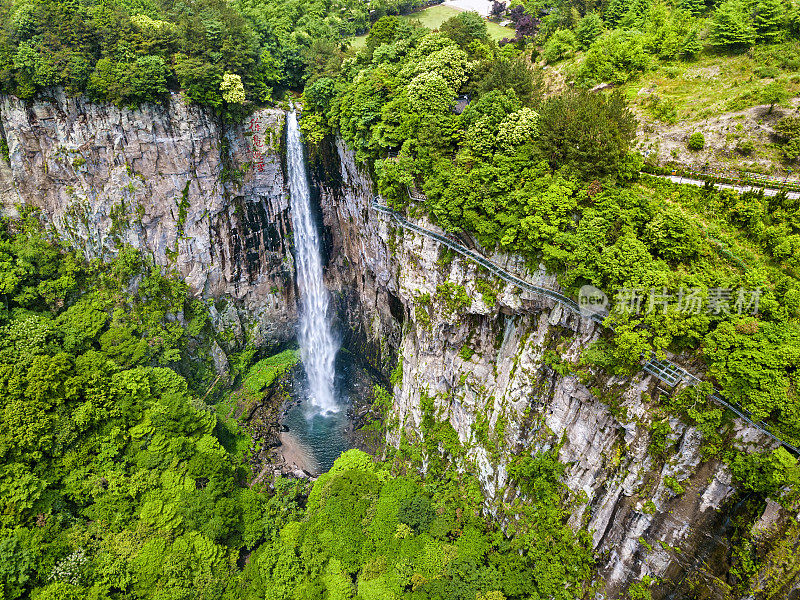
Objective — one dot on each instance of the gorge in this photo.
(215, 202)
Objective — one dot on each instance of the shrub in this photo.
(745, 146)
(615, 57)
(665, 110)
(561, 45)
(774, 93)
(764, 472)
(673, 484)
(788, 128)
(765, 71)
(696, 141)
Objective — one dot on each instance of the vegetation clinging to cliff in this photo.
(553, 179)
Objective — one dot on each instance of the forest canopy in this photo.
(128, 52)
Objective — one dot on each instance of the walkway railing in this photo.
(664, 370)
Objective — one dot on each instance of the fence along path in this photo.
(664, 370)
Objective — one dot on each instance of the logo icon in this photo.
(592, 301)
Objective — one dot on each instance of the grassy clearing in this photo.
(358, 42)
(710, 86)
(720, 83)
(434, 16)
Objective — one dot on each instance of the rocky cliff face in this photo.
(205, 199)
(497, 363)
(209, 201)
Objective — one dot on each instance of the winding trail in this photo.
(664, 370)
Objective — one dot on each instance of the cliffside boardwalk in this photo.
(664, 370)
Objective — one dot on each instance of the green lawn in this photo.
(434, 16)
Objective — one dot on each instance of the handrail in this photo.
(662, 369)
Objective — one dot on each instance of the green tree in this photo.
(589, 133)
(774, 93)
(143, 81)
(232, 89)
(769, 17)
(429, 93)
(695, 7)
(502, 74)
(589, 29)
(615, 11)
(691, 46)
(793, 18)
(465, 28)
(731, 26)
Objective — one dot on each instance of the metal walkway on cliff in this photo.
(664, 370)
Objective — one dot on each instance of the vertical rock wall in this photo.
(204, 198)
(503, 358)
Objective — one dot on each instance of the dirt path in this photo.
(726, 186)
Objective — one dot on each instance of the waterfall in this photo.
(318, 346)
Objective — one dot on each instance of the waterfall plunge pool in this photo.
(314, 440)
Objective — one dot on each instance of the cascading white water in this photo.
(318, 346)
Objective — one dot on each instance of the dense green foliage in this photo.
(373, 534)
(127, 51)
(114, 481)
(696, 141)
(623, 37)
(553, 180)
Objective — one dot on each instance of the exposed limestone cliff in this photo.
(204, 199)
